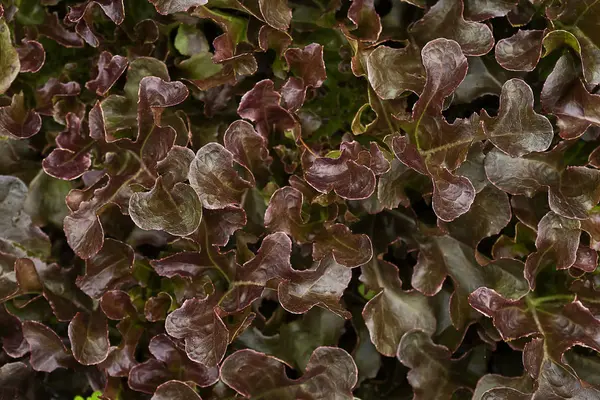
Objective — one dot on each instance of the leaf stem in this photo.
(536, 301)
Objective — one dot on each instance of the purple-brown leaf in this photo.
(520, 52)
(330, 373)
(88, 334)
(518, 129)
(110, 69)
(31, 55)
(205, 334)
(16, 121)
(392, 311)
(445, 19)
(445, 67)
(109, 269)
(47, 350)
(214, 178)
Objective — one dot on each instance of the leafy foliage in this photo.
(290, 199)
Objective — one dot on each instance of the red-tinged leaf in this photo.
(27, 276)
(121, 359)
(117, 305)
(483, 78)
(393, 71)
(565, 96)
(587, 259)
(579, 19)
(442, 149)
(75, 136)
(368, 23)
(392, 311)
(60, 290)
(522, 14)
(276, 13)
(440, 256)
(452, 195)
(349, 249)
(31, 55)
(330, 372)
(261, 105)
(271, 38)
(14, 379)
(518, 129)
(445, 20)
(480, 10)
(175, 390)
(557, 243)
(492, 384)
(84, 234)
(54, 88)
(80, 15)
(293, 94)
(193, 264)
(214, 177)
(88, 334)
(221, 224)
(109, 269)
(112, 8)
(572, 191)
(392, 186)
(520, 52)
(307, 64)
(8, 279)
(433, 373)
(66, 164)
(16, 121)
(518, 247)
(173, 6)
(82, 227)
(530, 211)
(487, 216)
(351, 175)
(157, 307)
(175, 210)
(175, 166)
(523, 175)
(512, 318)
(13, 342)
(284, 214)
(55, 30)
(441, 145)
(248, 147)
(110, 68)
(556, 382)
(562, 326)
(170, 362)
(577, 194)
(205, 334)
(272, 261)
(445, 67)
(321, 286)
(147, 376)
(47, 350)
(170, 353)
(154, 140)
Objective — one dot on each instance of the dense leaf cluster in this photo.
(300, 199)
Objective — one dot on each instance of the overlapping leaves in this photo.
(288, 199)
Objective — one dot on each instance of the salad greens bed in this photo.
(299, 199)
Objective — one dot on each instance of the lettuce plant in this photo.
(299, 199)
